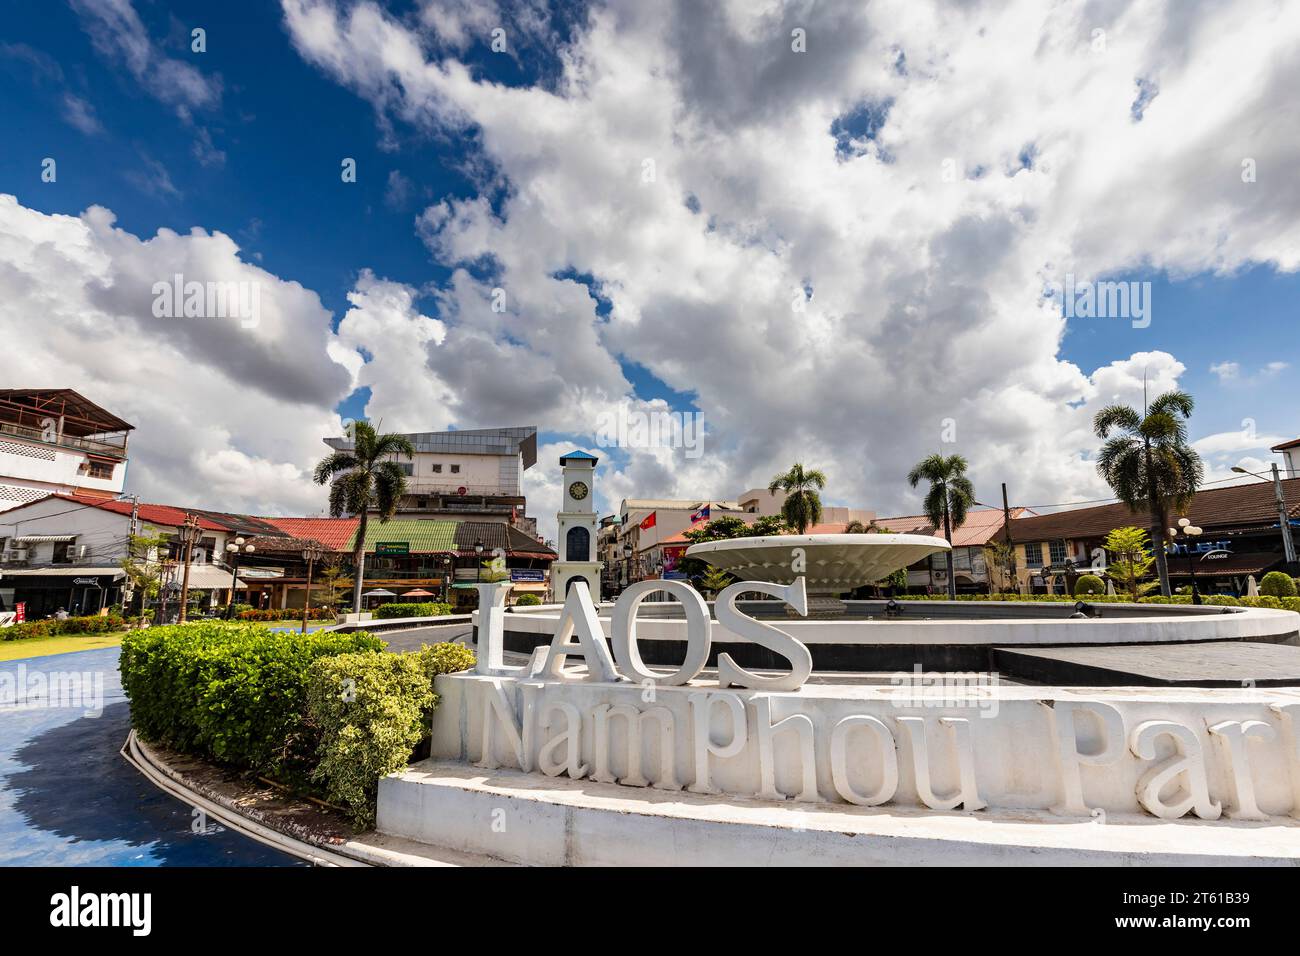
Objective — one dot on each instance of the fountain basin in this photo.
(833, 563)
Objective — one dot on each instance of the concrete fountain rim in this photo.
(820, 540)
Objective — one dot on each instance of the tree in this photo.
(950, 496)
(719, 529)
(1000, 562)
(1130, 560)
(365, 478)
(143, 566)
(768, 526)
(856, 527)
(803, 505)
(1148, 463)
(714, 580)
(331, 579)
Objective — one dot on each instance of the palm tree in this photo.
(950, 496)
(803, 506)
(365, 478)
(1148, 463)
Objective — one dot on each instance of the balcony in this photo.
(451, 488)
(113, 445)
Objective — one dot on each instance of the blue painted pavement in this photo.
(68, 798)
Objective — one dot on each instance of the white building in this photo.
(471, 474)
(66, 552)
(53, 440)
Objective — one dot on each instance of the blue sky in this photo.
(259, 160)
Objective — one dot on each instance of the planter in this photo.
(354, 618)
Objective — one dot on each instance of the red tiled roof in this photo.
(1239, 507)
(978, 528)
(335, 533)
(164, 515)
(1286, 444)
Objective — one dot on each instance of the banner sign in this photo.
(392, 547)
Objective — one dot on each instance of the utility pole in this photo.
(1288, 545)
(1006, 539)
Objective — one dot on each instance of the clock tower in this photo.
(577, 528)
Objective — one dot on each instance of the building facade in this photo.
(1241, 538)
(475, 474)
(54, 440)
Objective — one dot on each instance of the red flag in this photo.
(648, 521)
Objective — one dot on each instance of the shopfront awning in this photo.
(71, 571)
(46, 539)
(208, 577)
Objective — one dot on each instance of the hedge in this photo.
(528, 600)
(233, 692)
(325, 709)
(286, 614)
(1220, 600)
(427, 609)
(92, 624)
(371, 711)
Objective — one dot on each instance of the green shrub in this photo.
(528, 600)
(427, 609)
(92, 624)
(1277, 584)
(368, 710)
(285, 614)
(1088, 584)
(233, 692)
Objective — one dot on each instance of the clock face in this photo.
(577, 491)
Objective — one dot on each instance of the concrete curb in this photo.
(370, 849)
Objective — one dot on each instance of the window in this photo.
(437, 469)
(455, 469)
(1057, 550)
(961, 559)
(1034, 555)
(407, 469)
(61, 552)
(98, 469)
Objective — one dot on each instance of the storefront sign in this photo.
(392, 547)
(535, 575)
(90, 582)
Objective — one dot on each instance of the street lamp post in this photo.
(311, 554)
(189, 534)
(446, 583)
(1288, 546)
(1188, 531)
(478, 560)
(233, 549)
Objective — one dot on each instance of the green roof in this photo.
(420, 535)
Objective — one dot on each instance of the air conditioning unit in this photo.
(15, 556)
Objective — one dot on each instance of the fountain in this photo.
(830, 564)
